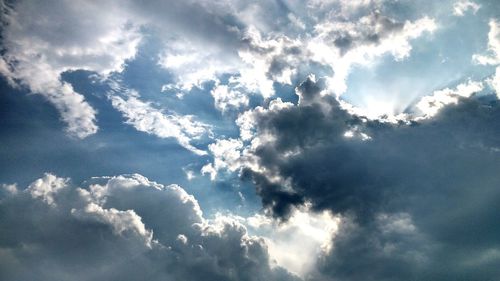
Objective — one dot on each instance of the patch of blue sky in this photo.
(442, 59)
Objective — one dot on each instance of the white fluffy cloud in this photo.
(227, 156)
(227, 98)
(493, 57)
(266, 56)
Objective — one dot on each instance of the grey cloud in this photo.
(441, 173)
(370, 29)
(204, 22)
(122, 228)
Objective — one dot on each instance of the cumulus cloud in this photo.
(493, 57)
(269, 59)
(42, 41)
(363, 41)
(495, 82)
(123, 228)
(397, 193)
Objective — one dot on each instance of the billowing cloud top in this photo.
(122, 228)
(323, 140)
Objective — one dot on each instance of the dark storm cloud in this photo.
(420, 201)
(121, 228)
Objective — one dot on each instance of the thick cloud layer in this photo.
(419, 200)
(122, 228)
(365, 176)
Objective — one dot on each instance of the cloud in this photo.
(361, 42)
(226, 98)
(404, 197)
(123, 228)
(432, 104)
(37, 51)
(305, 234)
(46, 187)
(42, 41)
(144, 117)
(227, 155)
(335, 42)
(493, 57)
(260, 61)
(268, 59)
(256, 53)
(390, 248)
(462, 6)
(495, 82)
(202, 41)
(192, 64)
(397, 193)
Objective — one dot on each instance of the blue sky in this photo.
(229, 140)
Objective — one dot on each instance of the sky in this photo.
(309, 140)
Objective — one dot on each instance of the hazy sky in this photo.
(250, 140)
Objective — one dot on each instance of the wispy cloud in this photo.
(145, 117)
